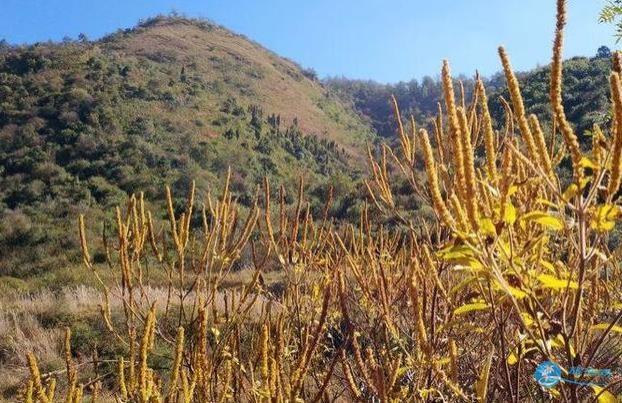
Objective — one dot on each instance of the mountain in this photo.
(586, 95)
(84, 123)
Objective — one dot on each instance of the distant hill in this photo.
(586, 94)
(84, 123)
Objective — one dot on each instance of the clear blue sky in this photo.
(385, 40)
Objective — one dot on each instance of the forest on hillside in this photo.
(585, 99)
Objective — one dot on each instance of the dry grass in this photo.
(275, 83)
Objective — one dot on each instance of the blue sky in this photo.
(384, 40)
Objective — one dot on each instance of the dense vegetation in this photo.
(201, 283)
(83, 124)
(516, 268)
(585, 99)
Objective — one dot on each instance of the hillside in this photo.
(84, 123)
(585, 99)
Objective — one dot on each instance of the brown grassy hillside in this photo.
(234, 66)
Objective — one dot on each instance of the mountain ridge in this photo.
(84, 123)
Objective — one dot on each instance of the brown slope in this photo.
(237, 67)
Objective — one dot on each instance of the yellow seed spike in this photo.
(453, 360)
(171, 217)
(598, 140)
(83, 244)
(462, 95)
(542, 149)
(394, 368)
(616, 62)
(404, 140)
(489, 134)
(273, 377)
(96, 388)
(433, 185)
(570, 138)
(517, 104)
(506, 181)
(470, 194)
(77, 397)
(28, 394)
(616, 159)
(35, 375)
(264, 352)
(121, 378)
(179, 351)
(52, 389)
(145, 345)
(438, 133)
(71, 371)
(362, 365)
(454, 125)
(461, 217)
(347, 371)
(413, 138)
(418, 306)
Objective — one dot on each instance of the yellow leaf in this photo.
(544, 219)
(604, 219)
(461, 255)
(481, 386)
(527, 318)
(570, 192)
(215, 332)
(461, 285)
(476, 306)
(557, 341)
(547, 203)
(604, 396)
(512, 358)
(549, 281)
(455, 252)
(469, 263)
(585, 162)
(487, 227)
(515, 292)
(605, 326)
(509, 214)
(547, 265)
